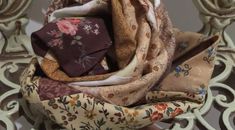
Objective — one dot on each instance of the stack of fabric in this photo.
(116, 64)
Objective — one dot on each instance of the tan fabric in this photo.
(84, 111)
(154, 60)
(125, 28)
(195, 72)
(185, 41)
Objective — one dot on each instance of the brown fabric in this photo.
(49, 89)
(193, 70)
(125, 28)
(52, 70)
(78, 44)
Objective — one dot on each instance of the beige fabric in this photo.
(157, 89)
(83, 111)
(125, 29)
(193, 73)
(153, 55)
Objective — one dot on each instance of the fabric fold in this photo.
(78, 44)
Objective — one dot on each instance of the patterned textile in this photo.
(84, 112)
(164, 72)
(78, 44)
(152, 31)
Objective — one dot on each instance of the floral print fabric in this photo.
(150, 91)
(49, 90)
(78, 44)
(84, 112)
(148, 64)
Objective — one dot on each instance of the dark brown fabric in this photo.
(49, 89)
(79, 44)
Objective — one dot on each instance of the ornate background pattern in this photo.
(15, 53)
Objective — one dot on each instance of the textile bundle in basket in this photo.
(116, 64)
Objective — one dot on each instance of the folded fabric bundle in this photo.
(162, 70)
(142, 34)
(73, 109)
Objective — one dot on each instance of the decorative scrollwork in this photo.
(12, 9)
(14, 52)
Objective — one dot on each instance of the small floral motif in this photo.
(118, 117)
(55, 33)
(156, 116)
(56, 43)
(211, 53)
(68, 26)
(73, 101)
(74, 21)
(84, 60)
(182, 46)
(176, 112)
(202, 90)
(182, 70)
(89, 28)
(161, 106)
(29, 89)
(190, 94)
(90, 115)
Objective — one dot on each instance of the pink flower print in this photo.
(55, 33)
(56, 43)
(67, 27)
(74, 21)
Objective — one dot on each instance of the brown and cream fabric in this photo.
(52, 69)
(72, 109)
(161, 71)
